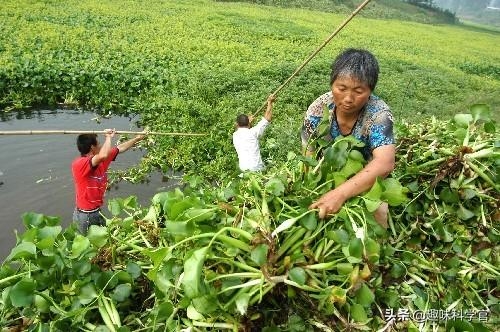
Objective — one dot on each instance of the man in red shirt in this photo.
(90, 175)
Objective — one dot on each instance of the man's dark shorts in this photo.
(87, 218)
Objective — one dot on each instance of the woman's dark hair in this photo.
(242, 120)
(356, 63)
(85, 141)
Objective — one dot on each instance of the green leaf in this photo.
(161, 198)
(121, 292)
(152, 214)
(22, 293)
(371, 206)
(177, 208)
(81, 267)
(480, 112)
(344, 268)
(157, 255)
(372, 250)
(169, 200)
(193, 268)
(449, 196)
(358, 313)
(297, 275)
(41, 304)
(46, 244)
(398, 270)
(80, 245)
(199, 215)
(180, 228)
(309, 221)
(352, 141)
(357, 156)
(205, 304)
(30, 235)
(375, 192)
(394, 193)
(46, 262)
(193, 314)
(336, 156)
(365, 296)
(461, 325)
(23, 250)
(31, 219)
(340, 236)
(115, 206)
(390, 297)
(351, 167)
(134, 269)
(242, 302)
(463, 120)
(49, 232)
(98, 235)
(259, 254)
(271, 329)
(296, 324)
(162, 279)
(463, 213)
(490, 127)
(338, 178)
(275, 186)
(355, 248)
(323, 129)
(460, 133)
(130, 202)
(165, 309)
(87, 294)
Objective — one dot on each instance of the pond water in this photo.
(35, 170)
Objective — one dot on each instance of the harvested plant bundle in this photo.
(250, 256)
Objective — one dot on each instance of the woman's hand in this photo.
(329, 203)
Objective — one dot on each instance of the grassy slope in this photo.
(220, 59)
(380, 9)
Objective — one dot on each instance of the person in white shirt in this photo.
(246, 139)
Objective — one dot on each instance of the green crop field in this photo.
(209, 257)
(195, 65)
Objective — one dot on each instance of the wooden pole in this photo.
(313, 54)
(54, 132)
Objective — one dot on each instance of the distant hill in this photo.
(478, 11)
(385, 9)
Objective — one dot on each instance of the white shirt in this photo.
(246, 143)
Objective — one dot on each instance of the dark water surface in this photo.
(35, 170)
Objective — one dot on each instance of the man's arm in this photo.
(105, 148)
(268, 115)
(381, 165)
(130, 143)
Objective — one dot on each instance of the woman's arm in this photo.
(381, 165)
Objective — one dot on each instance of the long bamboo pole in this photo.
(313, 54)
(53, 132)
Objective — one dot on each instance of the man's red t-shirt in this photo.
(91, 182)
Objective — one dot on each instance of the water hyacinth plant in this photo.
(249, 255)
